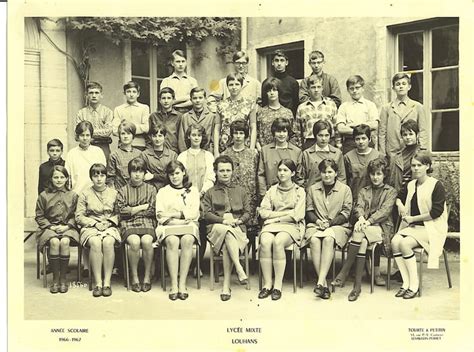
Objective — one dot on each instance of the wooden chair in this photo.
(293, 248)
(214, 272)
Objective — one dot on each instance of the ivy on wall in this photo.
(159, 30)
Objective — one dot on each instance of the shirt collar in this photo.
(134, 104)
(290, 146)
(360, 101)
(336, 188)
(90, 108)
(174, 75)
(325, 149)
(122, 148)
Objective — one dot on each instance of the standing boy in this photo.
(397, 112)
(355, 112)
(99, 115)
(316, 108)
(180, 82)
(250, 86)
(167, 116)
(200, 115)
(289, 87)
(330, 85)
(55, 150)
(133, 111)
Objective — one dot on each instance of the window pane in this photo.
(416, 91)
(445, 131)
(140, 59)
(445, 90)
(144, 97)
(163, 55)
(410, 47)
(445, 46)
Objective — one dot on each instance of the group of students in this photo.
(219, 169)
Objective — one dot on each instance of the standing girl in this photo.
(96, 214)
(233, 108)
(283, 211)
(135, 203)
(55, 216)
(177, 211)
(328, 208)
(422, 207)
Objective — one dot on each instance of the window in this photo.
(295, 53)
(430, 52)
(150, 65)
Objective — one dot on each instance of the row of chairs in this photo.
(214, 260)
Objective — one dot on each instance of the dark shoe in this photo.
(379, 281)
(409, 294)
(244, 281)
(63, 287)
(353, 295)
(107, 291)
(338, 282)
(173, 296)
(401, 292)
(54, 288)
(264, 293)
(97, 291)
(225, 296)
(326, 293)
(318, 290)
(183, 296)
(276, 294)
(146, 286)
(136, 287)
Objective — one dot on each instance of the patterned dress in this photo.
(143, 222)
(227, 112)
(245, 175)
(265, 118)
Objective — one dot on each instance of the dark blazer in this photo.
(213, 205)
(383, 216)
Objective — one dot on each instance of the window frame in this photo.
(426, 27)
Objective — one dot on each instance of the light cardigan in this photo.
(170, 200)
(437, 228)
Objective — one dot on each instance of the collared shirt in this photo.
(312, 158)
(391, 118)
(101, 119)
(45, 173)
(205, 119)
(172, 121)
(181, 85)
(330, 88)
(318, 149)
(355, 112)
(156, 164)
(199, 167)
(117, 167)
(327, 207)
(310, 112)
(96, 206)
(251, 88)
(376, 209)
(269, 158)
(56, 207)
(137, 113)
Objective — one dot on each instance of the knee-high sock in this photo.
(63, 265)
(410, 262)
(351, 255)
(359, 271)
(403, 269)
(54, 265)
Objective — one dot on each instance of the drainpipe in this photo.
(243, 34)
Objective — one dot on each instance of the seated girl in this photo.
(283, 210)
(55, 209)
(225, 208)
(422, 207)
(328, 207)
(177, 211)
(373, 223)
(136, 206)
(96, 214)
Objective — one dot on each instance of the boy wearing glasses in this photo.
(250, 86)
(355, 112)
